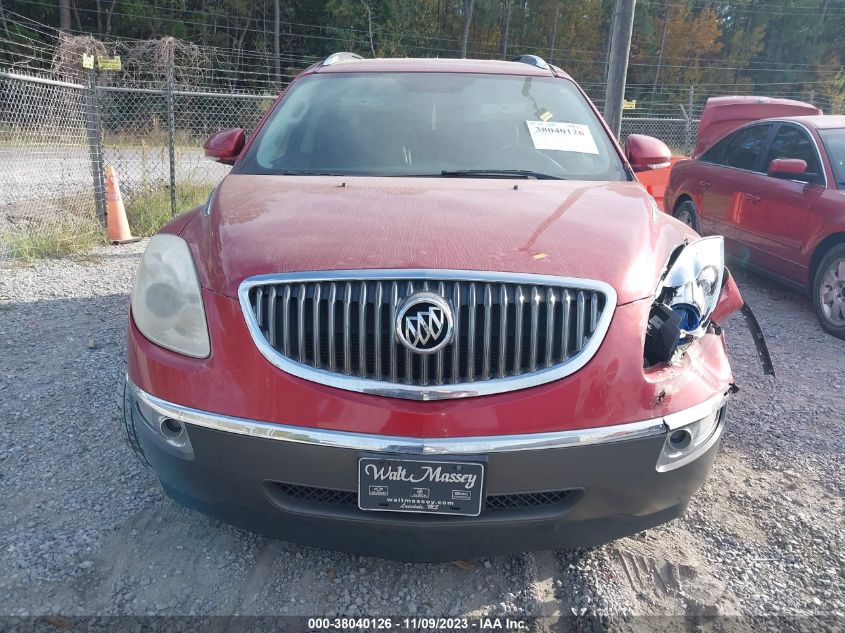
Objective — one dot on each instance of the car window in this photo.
(834, 142)
(715, 153)
(746, 146)
(420, 124)
(791, 141)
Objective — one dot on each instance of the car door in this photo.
(725, 171)
(772, 219)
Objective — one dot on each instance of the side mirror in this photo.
(647, 152)
(790, 169)
(225, 146)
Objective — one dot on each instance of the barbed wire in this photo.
(150, 118)
(220, 68)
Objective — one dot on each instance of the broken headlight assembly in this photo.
(685, 298)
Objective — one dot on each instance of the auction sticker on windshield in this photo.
(412, 485)
(562, 137)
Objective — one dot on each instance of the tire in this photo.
(829, 291)
(129, 426)
(688, 214)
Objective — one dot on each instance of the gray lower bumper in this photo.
(614, 489)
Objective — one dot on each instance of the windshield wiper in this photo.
(498, 173)
(308, 172)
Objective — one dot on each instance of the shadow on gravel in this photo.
(85, 529)
(806, 398)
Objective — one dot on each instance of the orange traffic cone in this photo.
(118, 227)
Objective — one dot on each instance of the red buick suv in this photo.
(430, 315)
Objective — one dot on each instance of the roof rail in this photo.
(339, 57)
(539, 62)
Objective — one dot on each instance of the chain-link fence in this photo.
(47, 185)
(57, 137)
(153, 139)
(678, 133)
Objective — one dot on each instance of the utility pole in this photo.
(276, 44)
(554, 33)
(620, 48)
(506, 30)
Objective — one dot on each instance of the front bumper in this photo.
(566, 489)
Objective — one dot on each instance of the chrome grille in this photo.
(510, 331)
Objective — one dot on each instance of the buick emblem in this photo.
(424, 323)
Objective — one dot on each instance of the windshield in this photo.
(434, 124)
(834, 142)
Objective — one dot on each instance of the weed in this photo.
(63, 237)
(147, 211)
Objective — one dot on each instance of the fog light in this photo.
(687, 443)
(680, 439)
(173, 431)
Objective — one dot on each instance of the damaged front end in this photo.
(695, 294)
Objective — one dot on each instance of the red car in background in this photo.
(775, 189)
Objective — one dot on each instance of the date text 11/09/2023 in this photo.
(418, 624)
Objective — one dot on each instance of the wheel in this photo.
(688, 214)
(829, 291)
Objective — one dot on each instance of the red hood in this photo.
(592, 230)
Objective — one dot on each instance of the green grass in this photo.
(148, 211)
(62, 236)
(55, 239)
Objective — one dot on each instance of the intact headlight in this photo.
(692, 284)
(166, 301)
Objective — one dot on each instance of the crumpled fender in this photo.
(730, 300)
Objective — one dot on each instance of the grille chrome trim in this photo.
(480, 283)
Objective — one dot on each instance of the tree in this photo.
(468, 6)
(691, 40)
(3, 21)
(554, 31)
(666, 9)
(370, 27)
(64, 15)
(784, 48)
(832, 87)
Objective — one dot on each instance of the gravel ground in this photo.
(84, 529)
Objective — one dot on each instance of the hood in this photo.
(722, 115)
(607, 231)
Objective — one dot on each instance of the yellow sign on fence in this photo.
(109, 63)
(87, 61)
(629, 105)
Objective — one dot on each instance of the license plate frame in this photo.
(416, 489)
